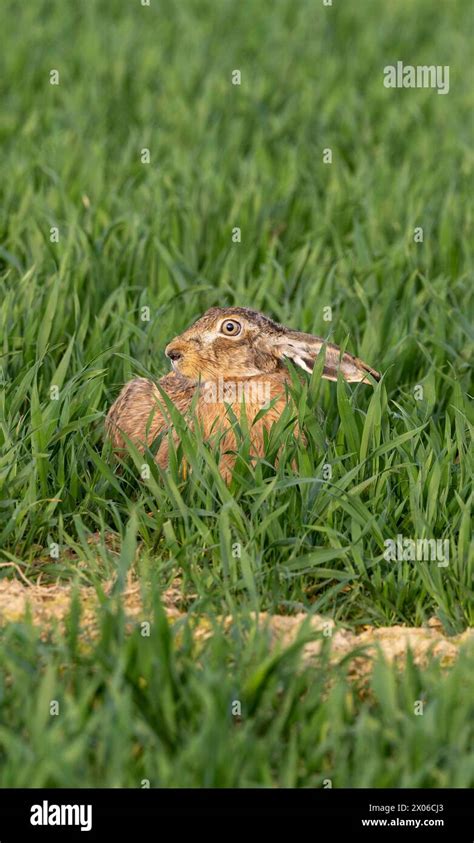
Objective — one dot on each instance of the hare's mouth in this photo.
(175, 356)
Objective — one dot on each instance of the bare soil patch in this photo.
(49, 605)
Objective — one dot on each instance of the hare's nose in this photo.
(173, 353)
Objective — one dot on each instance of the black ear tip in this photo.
(372, 372)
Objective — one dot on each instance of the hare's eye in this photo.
(231, 328)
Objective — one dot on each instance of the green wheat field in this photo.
(90, 236)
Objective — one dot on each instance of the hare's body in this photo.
(229, 356)
(139, 414)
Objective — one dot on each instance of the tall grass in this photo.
(174, 710)
(159, 236)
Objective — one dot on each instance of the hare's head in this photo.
(236, 342)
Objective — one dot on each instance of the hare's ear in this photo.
(303, 350)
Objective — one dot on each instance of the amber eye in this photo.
(231, 328)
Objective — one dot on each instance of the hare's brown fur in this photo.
(205, 356)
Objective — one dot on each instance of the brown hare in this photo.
(229, 356)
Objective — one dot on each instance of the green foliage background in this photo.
(159, 235)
